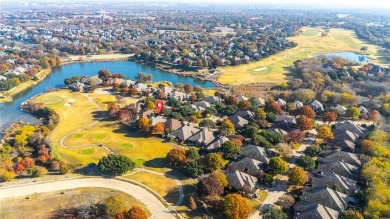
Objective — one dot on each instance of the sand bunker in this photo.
(260, 69)
(67, 104)
(71, 100)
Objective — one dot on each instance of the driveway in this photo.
(155, 207)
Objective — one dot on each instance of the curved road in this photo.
(155, 207)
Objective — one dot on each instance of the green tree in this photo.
(306, 162)
(230, 148)
(193, 153)
(353, 112)
(273, 213)
(312, 151)
(115, 164)
(277, 165)
(261, 141)
(236, 207)
(213, 162)
(268, 179)
(351, 214)
(227, 128)
(195, 168)
(297, 176)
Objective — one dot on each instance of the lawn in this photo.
(81, 113)
(164, 186)
(310, 43)
(45, 205)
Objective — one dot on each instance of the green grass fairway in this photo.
(52, 99)
(88, 151)
(310, 43)
(110, 133)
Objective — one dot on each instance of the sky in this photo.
(382, 4)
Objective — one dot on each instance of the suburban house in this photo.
(250, 166)
(241, 180)
(347, 185)
(259, 101)
(77, 86)
(281, 102)
(316, 106)
(140, 87)
(211, 99)
(298, 104)
(338, 167)
(238, 121)
(184, 132)
(158, 119)
(363, 110)
(172, 124)
(179, 95)
(340, 109)
(327, 197)
(216, 144)
(284, 125)
(241, 98)
(312, 210)
(200, 106)
(255, 152)
(347, 126)
(202, 138)
(336, 155)
(246, 114)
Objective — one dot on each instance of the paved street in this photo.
(155, 207)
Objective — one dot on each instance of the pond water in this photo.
(10, 112)
(351, 56)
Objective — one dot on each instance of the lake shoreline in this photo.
(172, 70)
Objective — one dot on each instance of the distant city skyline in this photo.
(381, 4)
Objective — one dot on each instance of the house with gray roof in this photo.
(284, 125)
(340, 168)
(179, 95)
(340, 109)
(202, 138)
(298, 104)
(248, 165)
(259, 101)
(216, 144)
(363, 110)
(77, 86)
(281, 102)
(246, 114)
(287, 118)
(238, 121)
(241, 180)
(312, 210)
(347, 185)
(172, 124)
(337, 155)
(348, 126)
(158, 119)
(212, 99)
(255, 152)
(200, 106)
(344, 145)
(184, 132)
(316, 106)
(241, 98)
(327, 197)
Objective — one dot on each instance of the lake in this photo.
(351, 56)
(10, 112)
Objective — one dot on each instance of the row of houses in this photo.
(332, 186)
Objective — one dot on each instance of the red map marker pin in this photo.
(159, 106)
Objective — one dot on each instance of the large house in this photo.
(347, 185)
(238, 121)
(255, 152)
(216, 144)
(338, 167)
(336, 155)
(327, 197)
(184, 132)
(201, 138)
(312, 210)
(316, 106)
(241, 180)
(250, 166)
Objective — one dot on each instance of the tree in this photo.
(192, 153)
(284, 150)
(150, 105)
(6, 175)
(115, 164)
(158, 129)
(307, 111)
(273, 213)
(277, 165)
(270, 117)
(306, 162)
(213, 162)
(136, 212)
(188, 88)
(325, 133)
(304, 123)
(297, 176)
(143, 124)
(36, 171)
(231, 100)
(295, 136)
(236, 207)
(192, 203)
(272, 136)
(227, 128)
(115, 204)
(207, 123)
(268, 179)
(329, 117)
(104, 74)
(244, 104)
(312, 151)
(221, 178)
(176, 156)
(209, 186)
(195, 168)
(367, 147)
(353, 112)
(351, 214)
(230, 149)
(272, 106)
(260, 114)
(261, 141)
